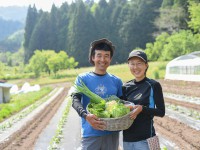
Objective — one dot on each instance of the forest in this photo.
(165, 29)
(128, 24)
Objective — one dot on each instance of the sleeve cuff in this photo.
(84, 115)
(143, 108)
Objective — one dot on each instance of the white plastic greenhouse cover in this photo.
(25, 88)
(190, 60)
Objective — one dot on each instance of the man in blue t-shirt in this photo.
(103, 84)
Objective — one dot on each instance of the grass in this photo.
(156, 70)
(20, 101)
(123, 72)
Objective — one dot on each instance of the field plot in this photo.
(181, 125)
(26, 131)
(52, 128)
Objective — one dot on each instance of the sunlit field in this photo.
(156, 71)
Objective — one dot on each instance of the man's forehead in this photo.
(102, 52)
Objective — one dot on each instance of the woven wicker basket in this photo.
(116, 124)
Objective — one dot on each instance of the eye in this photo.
(107, 56)
(98, 56)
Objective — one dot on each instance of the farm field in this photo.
(181, 124)
(179, 129)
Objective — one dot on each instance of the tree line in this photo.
(50, 62)
(165, 29)
(128, 24)
(181, 33)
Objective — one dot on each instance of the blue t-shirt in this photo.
(104, 86)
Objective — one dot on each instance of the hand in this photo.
(129, 106)
(95, 122)
(136, 110)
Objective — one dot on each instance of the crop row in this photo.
(25, 112)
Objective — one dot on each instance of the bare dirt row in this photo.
(25, 138)
(185, 137)
(181, 87)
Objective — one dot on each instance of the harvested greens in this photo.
(113, 107)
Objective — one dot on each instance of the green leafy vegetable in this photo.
(119, 110)
(112, 108)
(94, 98)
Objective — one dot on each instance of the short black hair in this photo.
(102, 44)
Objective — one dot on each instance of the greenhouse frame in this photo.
(185, 67)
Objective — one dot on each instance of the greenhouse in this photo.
(185, 67)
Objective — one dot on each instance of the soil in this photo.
(183, 104)
(181, 87)
(185, 137)
(25, 138)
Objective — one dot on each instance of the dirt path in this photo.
(25, 138)
(185, 137)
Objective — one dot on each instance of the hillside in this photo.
(12, 22)
(8, 27)
(13, 42)
(14, 13)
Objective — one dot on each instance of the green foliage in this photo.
(2, 66)
(4, 113)
(168, 47)
(158, 66)
(20, 101)
(12, 42)
(72, 27)
(194, 9)
(173, 16)
(128, 24)
(54, 63)
(36, 63)
(120, 70)
(109, 109)
(156, 73)
(49, 61)
(12, 59)
(167, 3)
(31, 21)
(171, 20)
(154, 50)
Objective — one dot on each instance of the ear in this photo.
(92, 57)
(147, 65)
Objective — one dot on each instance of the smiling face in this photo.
(101, 61)
(138, 68)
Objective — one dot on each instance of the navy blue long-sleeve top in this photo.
(147, 93)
